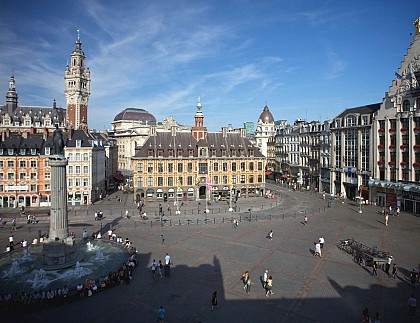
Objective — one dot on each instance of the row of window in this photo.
(23, 176)
(27, 123)
(78, 182)
(77, 169)
(202, 167)
(22, 164)
(216, 180)
(78, 156)
(202, 152)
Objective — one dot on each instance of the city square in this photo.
(212, 257)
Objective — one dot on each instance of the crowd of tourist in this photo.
(50, 297)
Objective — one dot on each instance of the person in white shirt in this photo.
(167, 260)
(321, 241)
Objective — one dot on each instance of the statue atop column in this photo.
(417, 25)
(58, 142)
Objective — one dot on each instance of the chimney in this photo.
(243, 132)
(32, 131)
(70, 133)
(45, 134)
(224, 132)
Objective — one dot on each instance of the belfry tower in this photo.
(77, 87)
(199, 130)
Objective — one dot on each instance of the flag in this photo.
(412, 73)
(398, 77)
(208, 182)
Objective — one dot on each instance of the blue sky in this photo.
(306, 59)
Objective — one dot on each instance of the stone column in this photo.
(59, 217)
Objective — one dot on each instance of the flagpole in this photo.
(177, 201)
(230, 195)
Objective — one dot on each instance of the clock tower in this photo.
(77, 87)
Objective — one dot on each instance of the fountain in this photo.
(61, 259)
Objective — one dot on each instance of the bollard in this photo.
(240, 218)
(256, 217)
(294, 215)
(262, 207)
(170, 222)
(223, 220)
(197, 220)
(270, 216)
(151, 223)
(283, 216)
(122, 215)
(214, 220)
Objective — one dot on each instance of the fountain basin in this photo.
(22, 271)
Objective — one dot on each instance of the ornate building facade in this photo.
(197, 164)
(396, 137)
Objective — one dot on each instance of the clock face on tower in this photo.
(71, 99)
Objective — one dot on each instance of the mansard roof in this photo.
(365, 109)
(35, 113)
(165, 141)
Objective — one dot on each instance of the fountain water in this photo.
(21, 271)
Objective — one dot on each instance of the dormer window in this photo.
(213, 152)
(160, 152)
(27, 123)
(223, 152)
(10, 152)
(150, 152)
(242, 152)
(47, 123)
(22, 151)
(251, 152)
(6, 122)
(179, 152)
(190, 152)
(47, 150)
(233, 152)
(171, 153)
(203, 152)
(78, 143)
(33, 151)
(17, 123)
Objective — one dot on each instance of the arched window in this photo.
(406, 105)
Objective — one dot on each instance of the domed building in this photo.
(134, 115)
(131, 129)
(265, 130)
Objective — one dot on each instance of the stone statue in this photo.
(417, 25)
(58, 142)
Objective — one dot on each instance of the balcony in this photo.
(392, 130)
(381, 162)
(417, 130)
(416, 165)
(404, 164)
(404, 129)
(416, 147)
(391, 163)
(404, 147)
(392, 147)
(381, 147)
(381, 130)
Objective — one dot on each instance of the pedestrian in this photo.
(161, 314)
(413, 278)
(126, 214)
(321, 241)
(269, 286)
(394, 271)
(244, 278)
(318, 249)
(162, 239)
(168, 260)
(412, 306)
(388, 264)
(366, 317)
(248, 284)
(374, 269)
(305, 220)
(264, 278)
(323, 195)
(235, 224)
(390, 210)
(13, 224)
(270, 235)
(153, 268)
(160, 269)
(397, 211)
(214, 300)
(377, 318)
(11, 241)
(386, 219)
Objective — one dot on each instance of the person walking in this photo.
(386, 219)
(269, 286)
(377, 318)
(321, 241)
(162, 239)
(161, 314)
(154, 268)
(366, 317)
(270, 235)
(412, 306)
(388, 265)
(394, 271)
(318, 250)
(413, 278)
(248, 283)
(160, 269)
(374, 269)
(214, 300)
(264, 278)
(305, 220)
(397, 211)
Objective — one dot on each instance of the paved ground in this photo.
(209, 257)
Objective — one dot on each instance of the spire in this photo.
(11, 96)
(199, 113)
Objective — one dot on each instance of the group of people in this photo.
(157, 268)
(99, 215)
(319, 246)
(266, 280)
